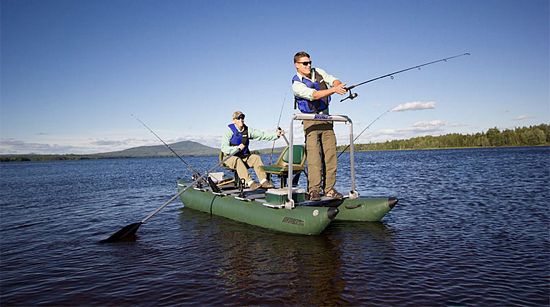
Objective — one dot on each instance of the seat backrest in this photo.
(299, 153)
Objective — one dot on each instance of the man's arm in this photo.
(226, 148)
(261, 136)
(301, 90)
(337, 88)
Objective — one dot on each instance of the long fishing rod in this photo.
(376, 119)
(354, 95)
(195, 173)
(278, 123)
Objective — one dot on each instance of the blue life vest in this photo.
(315, 106)
(238, 138)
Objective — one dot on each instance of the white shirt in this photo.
(301, 90)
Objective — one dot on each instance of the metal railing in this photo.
(319, 117)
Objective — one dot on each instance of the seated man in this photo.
(236, 140)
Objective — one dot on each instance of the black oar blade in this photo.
(127, 233)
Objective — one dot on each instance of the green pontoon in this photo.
(286, 209)
(254, 210)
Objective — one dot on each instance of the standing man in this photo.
(312, 89)
(236, 140)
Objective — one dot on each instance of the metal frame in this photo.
(321, 117)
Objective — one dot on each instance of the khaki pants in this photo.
(320, 137)
(243, 164)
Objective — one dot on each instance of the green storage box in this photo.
(280, 196)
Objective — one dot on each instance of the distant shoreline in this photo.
(532, 136)
(74, 157)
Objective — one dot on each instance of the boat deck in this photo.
(258, 195)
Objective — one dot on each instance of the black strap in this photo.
(213, 186)
(245, 135)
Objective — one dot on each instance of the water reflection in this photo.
(259, 266)
(377, 231)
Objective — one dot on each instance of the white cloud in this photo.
(524, 117)
(125, 143)
(414, 106)
(429, 125)
(13, 146)
(458, 125)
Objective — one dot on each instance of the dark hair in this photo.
(299, 55)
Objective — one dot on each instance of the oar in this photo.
(128, 232)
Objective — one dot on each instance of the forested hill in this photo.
(525, 136)
(184, 148)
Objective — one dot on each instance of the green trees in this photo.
(524, 136)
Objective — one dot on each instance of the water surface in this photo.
(471, 228)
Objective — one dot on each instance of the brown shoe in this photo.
(314, 196)
(267, 185)
(334, 194)
(254, 186)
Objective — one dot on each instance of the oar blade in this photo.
(127, 233)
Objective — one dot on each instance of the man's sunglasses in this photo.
(305, 63)
(240, 116)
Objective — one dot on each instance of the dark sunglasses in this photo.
(305, 63)
(240, 116)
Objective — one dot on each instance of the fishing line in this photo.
(195, 173)
(376, 119)
(278, 123)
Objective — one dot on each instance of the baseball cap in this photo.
(236, 114)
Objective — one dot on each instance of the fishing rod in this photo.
(354, 95)
(195, 173)
(376, 119)
(278, 123)
(128, 232)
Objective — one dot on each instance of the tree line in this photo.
(538, 135)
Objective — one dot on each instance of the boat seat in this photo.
(280, 168)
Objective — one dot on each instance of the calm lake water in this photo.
(471, 228)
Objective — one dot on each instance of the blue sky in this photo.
(73, 72)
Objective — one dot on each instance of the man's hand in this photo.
(340, 89)
(241, 146)
(337, 88)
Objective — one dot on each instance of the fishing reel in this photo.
(199, 183)
(351, 96)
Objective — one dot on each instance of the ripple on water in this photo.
(471, 228)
